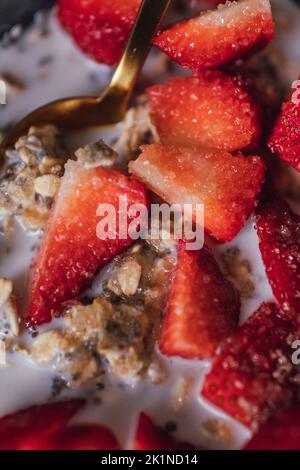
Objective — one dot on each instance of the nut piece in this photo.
(129, 276)
(97, 154)
(137, 130)
(47, 185)
(75, 362)
(30, 179)
(9, 319)
(13, 84)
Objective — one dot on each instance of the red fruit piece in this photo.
(86, 437)
(46, 427)
(203, 307)
(280, 433)
(252, 375)
(99, 27)
(71, 252)
(226, 185)
(150, 437)
(278, 230)
(285, 139)
(218, 37)
(34, 428)
(214, 109)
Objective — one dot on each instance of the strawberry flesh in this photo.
(46, 427)
(214, 109)
(71, 252)
(232, 31)
(252, 377)
(280, 433)
(100, 28)
(285, 139)
(86, 437)
(34, 428)
(278, 230)
(226, 185)
(200, 313)
(151, 437)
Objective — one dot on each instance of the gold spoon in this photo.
(110, 108)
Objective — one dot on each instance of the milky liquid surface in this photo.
(67, 72)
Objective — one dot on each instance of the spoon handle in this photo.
(149, 19)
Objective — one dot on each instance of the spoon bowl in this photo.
(110, 108)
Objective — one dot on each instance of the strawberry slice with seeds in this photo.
(285, 139)
(252, 376)
(34, 428)
(218, 37)
(226, 185)
(280, 433)
(203, 307)
(100, 28)
(86, 437)
(151, 437)
(46, 427)
(214, 109)
(72, 250)
(278, 230)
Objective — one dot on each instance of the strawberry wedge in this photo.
(214, 109)
(72, 250)
(86, 437)
(280, 433)
(232, 31)
(151, 437)
(226, 185)
(252, 377)
(46, 427)
(35, 427)
(203, 307)
(285, 139)
(278, 231)
(99, 28)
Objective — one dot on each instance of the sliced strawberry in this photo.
(252, 376)
(226, 185)
(150, 437)
(218, 37)
(203, 307)
(100, 28)
(35, 428)
(279, 241)
(285, 140)
(46, 427)
(71, 251)
(280, 433)
(214, 109)
(86, 437)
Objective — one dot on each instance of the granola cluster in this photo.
(97, 154)
(117, 330)
(137, 130)
(31, 177)
(9, 318)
